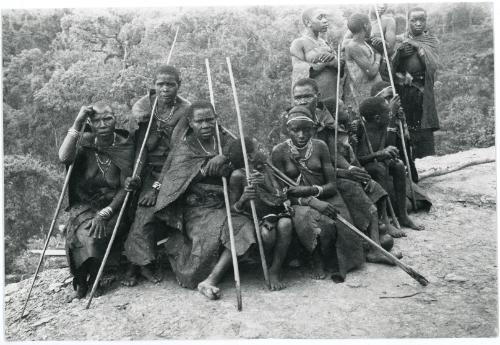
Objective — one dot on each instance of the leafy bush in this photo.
(31, 193)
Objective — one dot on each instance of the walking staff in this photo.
(226, 200)
(337, 109)
(410, 271)
(401, 132)
(247, 172)
(370, 149)
(135, 173)
(52, 225)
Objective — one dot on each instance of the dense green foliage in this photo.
(56, 61)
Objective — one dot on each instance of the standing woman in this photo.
(103, 158)
(312, 57)
(316, 200)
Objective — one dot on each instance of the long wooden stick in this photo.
(226, 201)
(51, 229)
(401, 132)
(122, 209)
(370, 149)
(414, 274)
(247, 171)
(172, 47)
(337, 110)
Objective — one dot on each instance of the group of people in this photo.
(326, 163)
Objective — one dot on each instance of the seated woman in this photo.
(102, 159)
(191, 204)
(270, 203)
(316, 200)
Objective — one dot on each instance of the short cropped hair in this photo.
(306, 15)
(307, 81)
(416, 9)
(379, 86)
(103, 105)
(372, 106)
(199, 105)
(235, 152)
(168, 69)
(357, 21)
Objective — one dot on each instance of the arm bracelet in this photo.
(320, 190)
(106, 212)
(73, 133)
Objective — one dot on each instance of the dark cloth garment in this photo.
(361, 204)
(382, 171)
(427, 47)
(310, 225)
(422, 142)
(145, 231)
(87, 196)
(194, 253)
(193, 206)
(140, 246)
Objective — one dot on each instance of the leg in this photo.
(374, 254)
(208, 286)
(284, 237)
(318, 265)
(389, 228)
(397, 170)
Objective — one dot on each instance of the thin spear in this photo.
(247, 172)
(226, 200)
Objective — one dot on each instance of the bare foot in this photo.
(275, 281)
(209, 291)
(318, 272)
(130, 276)
(408, 222)
(378, 258)
(393, 231)
(397, 253)
(149, 275)
(81, 291)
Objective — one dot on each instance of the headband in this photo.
(300, 118)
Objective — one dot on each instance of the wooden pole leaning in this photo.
(226, 201)
(124, 206)
(52, 226)
(172, 47)
(370, 149)
(337, 110)
(247, 171)
(401, 132)
(409, 270)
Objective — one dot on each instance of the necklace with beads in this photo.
(203, 148)
(104, 165)
(295, 151)
(166, 120)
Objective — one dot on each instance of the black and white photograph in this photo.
(263, 170)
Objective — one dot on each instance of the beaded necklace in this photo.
(104, 164)
(295, 152)
(199, 142)
(166, 120)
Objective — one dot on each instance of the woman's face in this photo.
(319, 21)
(300, 131)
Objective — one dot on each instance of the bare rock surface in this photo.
(457, 253)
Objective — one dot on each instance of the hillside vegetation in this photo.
(55, 61)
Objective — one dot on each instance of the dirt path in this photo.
(457, 254)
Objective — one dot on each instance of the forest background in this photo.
(55, 61)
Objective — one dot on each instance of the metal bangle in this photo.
(106, 212)
(73, 133)
(320, 190)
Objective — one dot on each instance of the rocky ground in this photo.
(457, 253)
